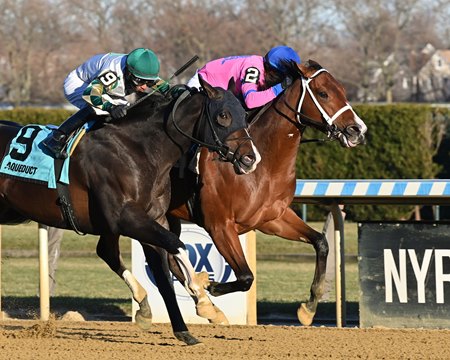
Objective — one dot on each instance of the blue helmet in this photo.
(279, 55)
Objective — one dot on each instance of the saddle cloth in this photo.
(26, 158)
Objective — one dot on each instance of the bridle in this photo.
(330, 128)
(224, 151)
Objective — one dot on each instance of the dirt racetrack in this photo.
(84, 340)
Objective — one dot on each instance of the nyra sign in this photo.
(405, 274)
(408, 260)
(204, 256)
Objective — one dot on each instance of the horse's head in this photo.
(226, 129)
(321, 103)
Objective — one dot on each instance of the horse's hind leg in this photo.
(291, 227)
(108, 249)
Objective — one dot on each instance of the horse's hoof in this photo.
(220, 318)
(304, 315)
(203, 279)
(142, 321)
(206, 311)
(212, 288)
(187, 338)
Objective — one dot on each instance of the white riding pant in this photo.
(73, 90)
(194, 82)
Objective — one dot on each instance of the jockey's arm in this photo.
(254, 98)
(96, 95)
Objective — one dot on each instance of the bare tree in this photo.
(441, 12)
(369, 45)
(96, 19)
(207, 28)
(28, 29)
(375, 32)
(300, 24)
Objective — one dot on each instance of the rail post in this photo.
(44, 293)
(340, 264)
(1, 312)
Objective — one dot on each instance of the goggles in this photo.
(138, 81)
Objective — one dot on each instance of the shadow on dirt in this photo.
(97, 309)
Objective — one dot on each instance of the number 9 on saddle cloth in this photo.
(26, 159)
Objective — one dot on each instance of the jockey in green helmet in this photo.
(105, 84)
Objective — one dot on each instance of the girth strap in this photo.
(65, 202)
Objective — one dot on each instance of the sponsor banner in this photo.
(404, 273)
(204, 257)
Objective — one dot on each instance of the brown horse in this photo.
(227, 205)
(120, 183)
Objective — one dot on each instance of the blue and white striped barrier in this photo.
(433, 190)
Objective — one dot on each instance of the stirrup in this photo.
(56, 146)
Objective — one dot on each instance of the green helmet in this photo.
(143, 64)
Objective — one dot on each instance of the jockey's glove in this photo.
(278, 88)
(287, 81)
(118, 111)
(162, 86)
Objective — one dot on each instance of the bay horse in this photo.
(227, 205)
(120, 184)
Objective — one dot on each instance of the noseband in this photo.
(331, 129)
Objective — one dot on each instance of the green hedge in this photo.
(43, 116)
(402, 141)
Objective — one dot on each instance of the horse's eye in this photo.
(323, 94)
(224, 119)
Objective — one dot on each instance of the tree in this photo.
(375, 30)
(28, 29)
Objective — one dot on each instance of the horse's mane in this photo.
(294, 72)
(154, 103)
(150, 106)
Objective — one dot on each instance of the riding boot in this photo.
(55, 142)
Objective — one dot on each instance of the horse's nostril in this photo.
(248, 160)
(353, 130)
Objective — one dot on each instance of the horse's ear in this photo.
(309, 67)
(302, 69)
(209, 90)
(231, 85)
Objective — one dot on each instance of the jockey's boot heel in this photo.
(55, 143)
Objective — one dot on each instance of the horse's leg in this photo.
(291, 227)
(135, 223)
(228, 244)
(108, 249)
(164, 283)
(175, 227)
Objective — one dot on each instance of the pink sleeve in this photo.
(254, 98)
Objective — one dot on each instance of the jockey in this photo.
(103, 84)
(257, 79)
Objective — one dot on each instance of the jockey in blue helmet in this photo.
(257, 79)
(278, 56)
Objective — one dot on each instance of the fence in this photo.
(335, 193)
(369, 192)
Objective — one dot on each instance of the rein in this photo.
(224, 151)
